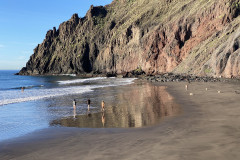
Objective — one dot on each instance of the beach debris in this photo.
(191, 94)
(206, 89)
(219, 91)
(186, 87)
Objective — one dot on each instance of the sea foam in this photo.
(80, 80)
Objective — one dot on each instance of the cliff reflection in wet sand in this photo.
(139, 105)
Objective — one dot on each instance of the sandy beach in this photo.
(206, 127)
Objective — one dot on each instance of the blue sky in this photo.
(24, 24)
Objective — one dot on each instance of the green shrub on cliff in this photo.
(235, 4)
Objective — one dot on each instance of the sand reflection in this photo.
(136, 106)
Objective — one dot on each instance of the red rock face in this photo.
(178, 36)
(169, 46)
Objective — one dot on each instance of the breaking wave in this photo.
(81, 80)
(16, 96)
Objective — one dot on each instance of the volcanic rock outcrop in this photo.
(151, 36)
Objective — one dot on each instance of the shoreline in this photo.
(164, 77)
(207, 128)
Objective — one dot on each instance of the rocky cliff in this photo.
(154, 36)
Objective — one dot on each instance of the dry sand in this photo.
(208, 128)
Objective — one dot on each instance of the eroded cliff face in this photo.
(155, 36)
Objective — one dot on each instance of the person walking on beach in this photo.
(22, 89)
(88, 103)
(103, 106)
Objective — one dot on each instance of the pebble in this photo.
(170, 77)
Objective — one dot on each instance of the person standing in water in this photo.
(88, 103)
(74, 104)
(103, 119)
(74, 108)
(103, 106)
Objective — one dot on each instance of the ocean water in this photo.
(45, 99)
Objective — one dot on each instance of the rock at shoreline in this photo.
(185, 78)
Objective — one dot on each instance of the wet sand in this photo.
(138, 105)
(207, 128)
